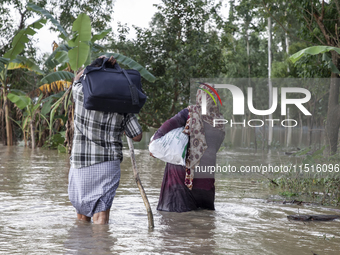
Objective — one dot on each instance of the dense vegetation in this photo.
(185, 40)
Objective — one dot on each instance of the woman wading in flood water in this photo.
(183, 189)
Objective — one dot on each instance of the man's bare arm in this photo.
(138, 137)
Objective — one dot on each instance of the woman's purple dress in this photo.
(175, 195)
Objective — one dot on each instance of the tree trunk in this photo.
(289, 130)
(2, 120)
(287, 48)
(270, 86)
(312, 123)
(3, 128)
(69, 128)
(8, 122)
(32, 134)
(25, 139)
(333, 112)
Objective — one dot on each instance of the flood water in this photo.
(36, 216)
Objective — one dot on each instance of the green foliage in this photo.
(30, 110)
(181, 43)
(280, 69)
(11, 60)
(57, 76)
(19, 98)
(14, 15)
(39, 10)
(55, 58)
(4, 61)
(25, 63)
(100, 35)
(56, 140)
(330, 63)
(311, 181)
(61, 148)
(78, 51)
(21, 38)
(100, 12)
(187, 39)
(239, 64)
(307, 24)
(96, 49)
(80, 42)
(316, 50)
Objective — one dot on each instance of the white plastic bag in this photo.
(171, 148)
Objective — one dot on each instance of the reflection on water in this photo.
(191, 232)
(282, 138)
(37, 218)
(87, 238)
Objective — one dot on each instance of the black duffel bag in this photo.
(112, 89)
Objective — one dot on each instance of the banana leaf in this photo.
(22, 62)
(330, 63)
(3, 62)
(57, 76)
(21, 38)
(314, 50)
(52, 61)
(19, 98)
(80, 43)
(33, 7)
(100, 35)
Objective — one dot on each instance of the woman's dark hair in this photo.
(99, 61)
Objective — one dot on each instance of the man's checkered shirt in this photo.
(97, 135)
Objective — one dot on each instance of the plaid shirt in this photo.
(97, 135)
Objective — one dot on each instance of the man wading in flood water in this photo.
(96, 154)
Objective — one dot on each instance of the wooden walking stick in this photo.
(139, 183)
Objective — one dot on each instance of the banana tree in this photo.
(315, 50)
(49, 109)
(31, 107)
(3, 97)
(11, 60)
(333, 117)
(77, 50)
(80, 48)
(33, 111)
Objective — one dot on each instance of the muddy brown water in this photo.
(36, 216)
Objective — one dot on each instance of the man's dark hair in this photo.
(99, 61)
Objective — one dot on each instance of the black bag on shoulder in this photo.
(112, 89)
